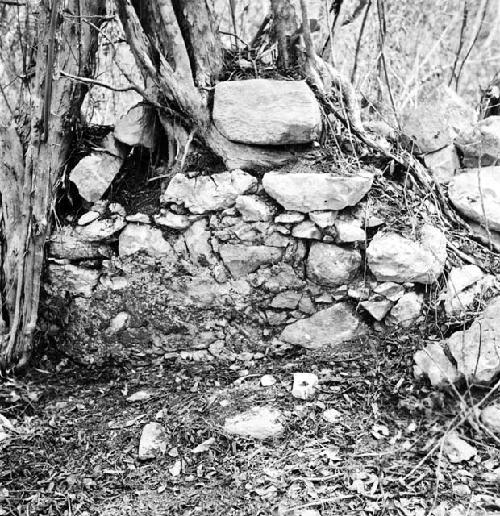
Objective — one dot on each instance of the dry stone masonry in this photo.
(235, 263)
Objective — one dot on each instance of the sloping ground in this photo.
(75, 446)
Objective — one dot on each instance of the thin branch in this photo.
(358, 43)
(465, 16)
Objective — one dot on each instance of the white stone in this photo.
(267, 380)
(332, 415)
(330, 265)
(209, 193)
(292, 217)
(288, 299)
(137, 127)
(390, 290)
(266, 112)
(100, 229)
(88, 217)
(173, 220)
(140, 218)
(439, 120)
(407, 310)
(309, 191)
(477, 349)
(392, 257)
(377, 309)
(456, 449)
(258, 422)
(119, 322)
(197, 239)
(139, 237)
(325, 329)
(304, 385)
(490, 416)
(323, 219)
(254, 209)
(483, 148)
(468, 197)
(142, 395)
(153, 442)
(457, 298)
(94, 173)
(242, 260)
(443, 163)
(349, 232)
(433, 363)
(306, 230)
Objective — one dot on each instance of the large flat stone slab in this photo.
(208, 193)
(266, 112)
(465, 192)
(325, 329)
(309, 191)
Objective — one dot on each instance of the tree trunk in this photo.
(33, 154)
(183, 60)
(285, 26)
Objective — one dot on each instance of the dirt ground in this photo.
(75, 446)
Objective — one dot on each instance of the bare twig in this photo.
(358, 42)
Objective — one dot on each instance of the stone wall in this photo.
(237, 262)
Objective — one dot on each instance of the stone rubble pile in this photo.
(298, 251)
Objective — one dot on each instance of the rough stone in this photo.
(390, 290)
(94, 173)
(119, 322)
(78, 281)
(456, 449)
(348, 232)
(304, 385)
(292, 217)
(306, 230)
(139, 237)
(490, 416)
(208, 193)
(443, 163)
(439, 120)
(197, 239)
(377, 309)
(65, 244)
(391, 257)
(433, 363)
(323, 219)
(458, 295)
(242, 260)
(267, 380)
(465, 194)
(326, 328)
(135, 128)
(332, 416)
(88, 217)
(139, 218)
(477, 349)
(173, 220)
(153, 442)
(309, 191)
(288, 299)
(266, 112)
(483, 148)
(407, 310)
(100, 229)
(258, 422)
(330, 265)
(254, 209)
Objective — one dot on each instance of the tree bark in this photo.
(33, 153)
(285, 26)
(178, 62)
